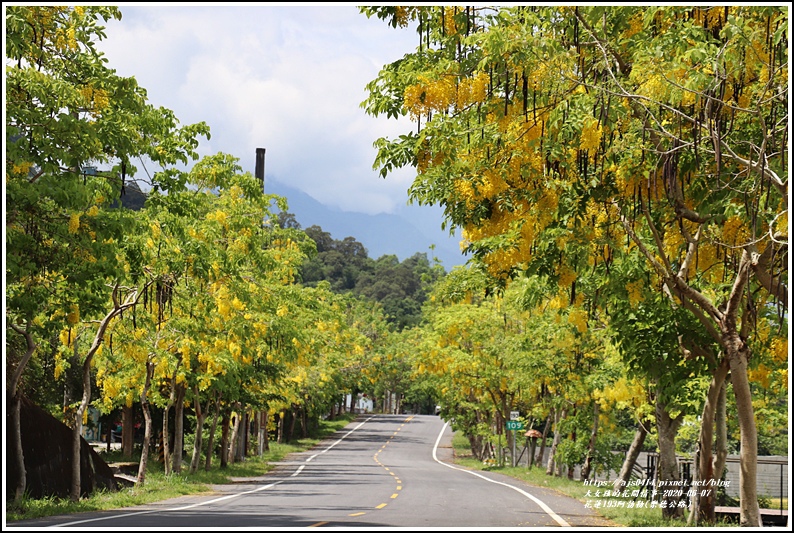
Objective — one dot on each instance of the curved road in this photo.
(381, 471)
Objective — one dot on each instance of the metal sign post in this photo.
(514, 425)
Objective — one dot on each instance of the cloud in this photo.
(289, 79)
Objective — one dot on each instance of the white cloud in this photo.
(289, 79)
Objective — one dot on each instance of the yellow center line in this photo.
(318, 524)
(399, 487)
(356, 514)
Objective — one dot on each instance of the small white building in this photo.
(363, 403)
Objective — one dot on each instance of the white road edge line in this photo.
(557, 518)
(263, 487)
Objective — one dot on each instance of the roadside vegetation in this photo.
(160, 487)
(644, 518)
(619, 176)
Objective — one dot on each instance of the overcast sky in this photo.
(287, 78)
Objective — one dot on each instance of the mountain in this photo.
(413, 229)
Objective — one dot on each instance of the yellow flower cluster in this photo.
(401, 15)
(779, 349)
(634, 289)
(578, 318)
(235, 349)
(651, 84)
(465, 191)
(429, 95)
(546, 207)
(21, 169)
(65, 39)
(185, 350)
(218, 216)
(708, 17)
(67, 336)
(565, 275)
(492, 184)
(155, 227)
(635, 26)
(674, 244)
(450, 28)
(734, 232)
(472, 90)
(73, 317)
(591, 134)
(708, 263)
(500, 261)
(74, 223)
(622, 393)
(98, 99)
(760, 375)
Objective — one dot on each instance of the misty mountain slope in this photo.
(412, 230)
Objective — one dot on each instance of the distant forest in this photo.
(399, 287)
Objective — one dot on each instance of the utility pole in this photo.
(259, 171)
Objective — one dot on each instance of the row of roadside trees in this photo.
(631, 163)
(627, 226)
(191, 301)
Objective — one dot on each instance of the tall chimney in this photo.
(259, 172)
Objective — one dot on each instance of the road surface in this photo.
(381, 471)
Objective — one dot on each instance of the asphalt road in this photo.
(381, 471)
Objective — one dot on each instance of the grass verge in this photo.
(158, 486)
(622, 516)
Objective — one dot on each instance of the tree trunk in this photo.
(225, 439)
(257, 431)
(591, 445)
(166, 435)
(127, 431)
(14, 392)
(211, 439)
(241, 436)
(108, 434)
(261, 437)
(721, 433)
(304, 423)
(74, 494)
(631, 458)
(542, 450)
(667, 428)
(232, 453)
(738, 354)
(558, 417)
(86, 396)
(179, 426)
(199, 437)
(704, 501)
(265, 436)
(353, 398)
(292, 418)
(531, 444)
(147, 417)
(280, 427)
